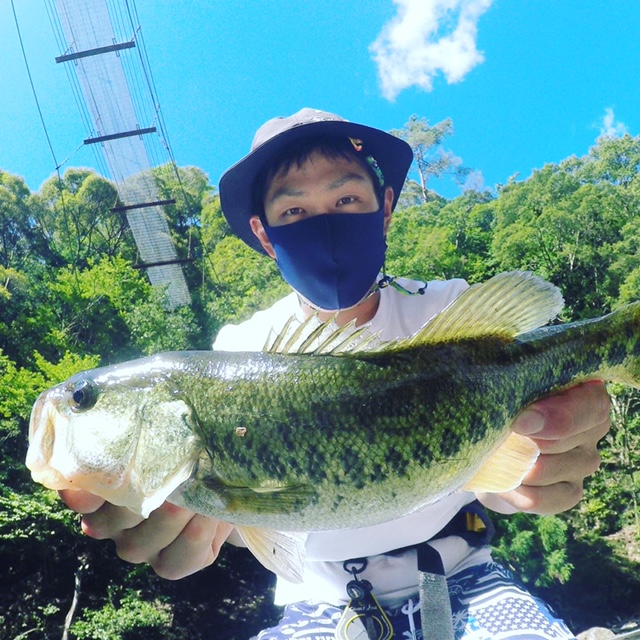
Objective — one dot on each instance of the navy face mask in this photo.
(331, 259)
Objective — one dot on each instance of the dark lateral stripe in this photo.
(96, 52)
(122, 134)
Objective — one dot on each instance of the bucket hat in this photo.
(392, 154)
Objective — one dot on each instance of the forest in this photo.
(72, 297)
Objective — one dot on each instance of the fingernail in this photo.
(529, 422)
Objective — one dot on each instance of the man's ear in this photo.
(388, 208)
(258, 229)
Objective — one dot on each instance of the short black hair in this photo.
(298, 152)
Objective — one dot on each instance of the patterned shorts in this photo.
(486, 601)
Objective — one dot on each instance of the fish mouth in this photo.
(48, 458)
(42, 436)
(36, 416)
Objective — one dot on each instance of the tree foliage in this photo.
(430, 157)
(71, 299)
(74, 216)
(535, 548)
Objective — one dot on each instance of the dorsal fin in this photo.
(312, 336)
(506, 305)
(274, 341)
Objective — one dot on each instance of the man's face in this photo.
(321, 185)
(349, 254)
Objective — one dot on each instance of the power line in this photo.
(33, 88)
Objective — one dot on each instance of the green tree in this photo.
(20, 242)
(431, 159)
(125, 617)
(127, 317)
(612, 159)
(74, 214)
(214, 226)
(243, 282)
(442, 239)
(189, 189)
(566, 231)
(26, 314)
(535, 548)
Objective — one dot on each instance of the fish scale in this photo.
(383, 446)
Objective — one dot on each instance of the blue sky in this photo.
(526, 82)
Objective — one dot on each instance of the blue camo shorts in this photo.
(486, 601)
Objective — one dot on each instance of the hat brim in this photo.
(393, 155)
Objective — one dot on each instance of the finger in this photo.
(81, 501)
(498, 502)
(144, 541)
(585, 439)
(572, 466)
(567, 413)
(109, 521)
(546, 500)
(197, 546)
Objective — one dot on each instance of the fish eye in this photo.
(83, 395)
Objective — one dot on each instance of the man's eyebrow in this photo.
(347, 177)
(285, 191)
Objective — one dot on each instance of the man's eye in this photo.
(347, 200)
(293, 211)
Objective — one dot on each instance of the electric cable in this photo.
(33, 88)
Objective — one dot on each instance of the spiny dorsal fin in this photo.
(274, 341)
(506, 305)
(346, 339)
(282, 553)
(313, 336)
(287, 340)
(506, 468)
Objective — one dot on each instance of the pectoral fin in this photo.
(271, 499)
(282, 553)
(506, 468)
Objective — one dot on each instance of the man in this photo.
(316, 193)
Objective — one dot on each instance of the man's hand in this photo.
(567, 428)
(174, 541)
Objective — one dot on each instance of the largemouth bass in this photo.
(341, 437)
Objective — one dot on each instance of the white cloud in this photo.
(609, 128)
(474, 181)
(427, 37)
